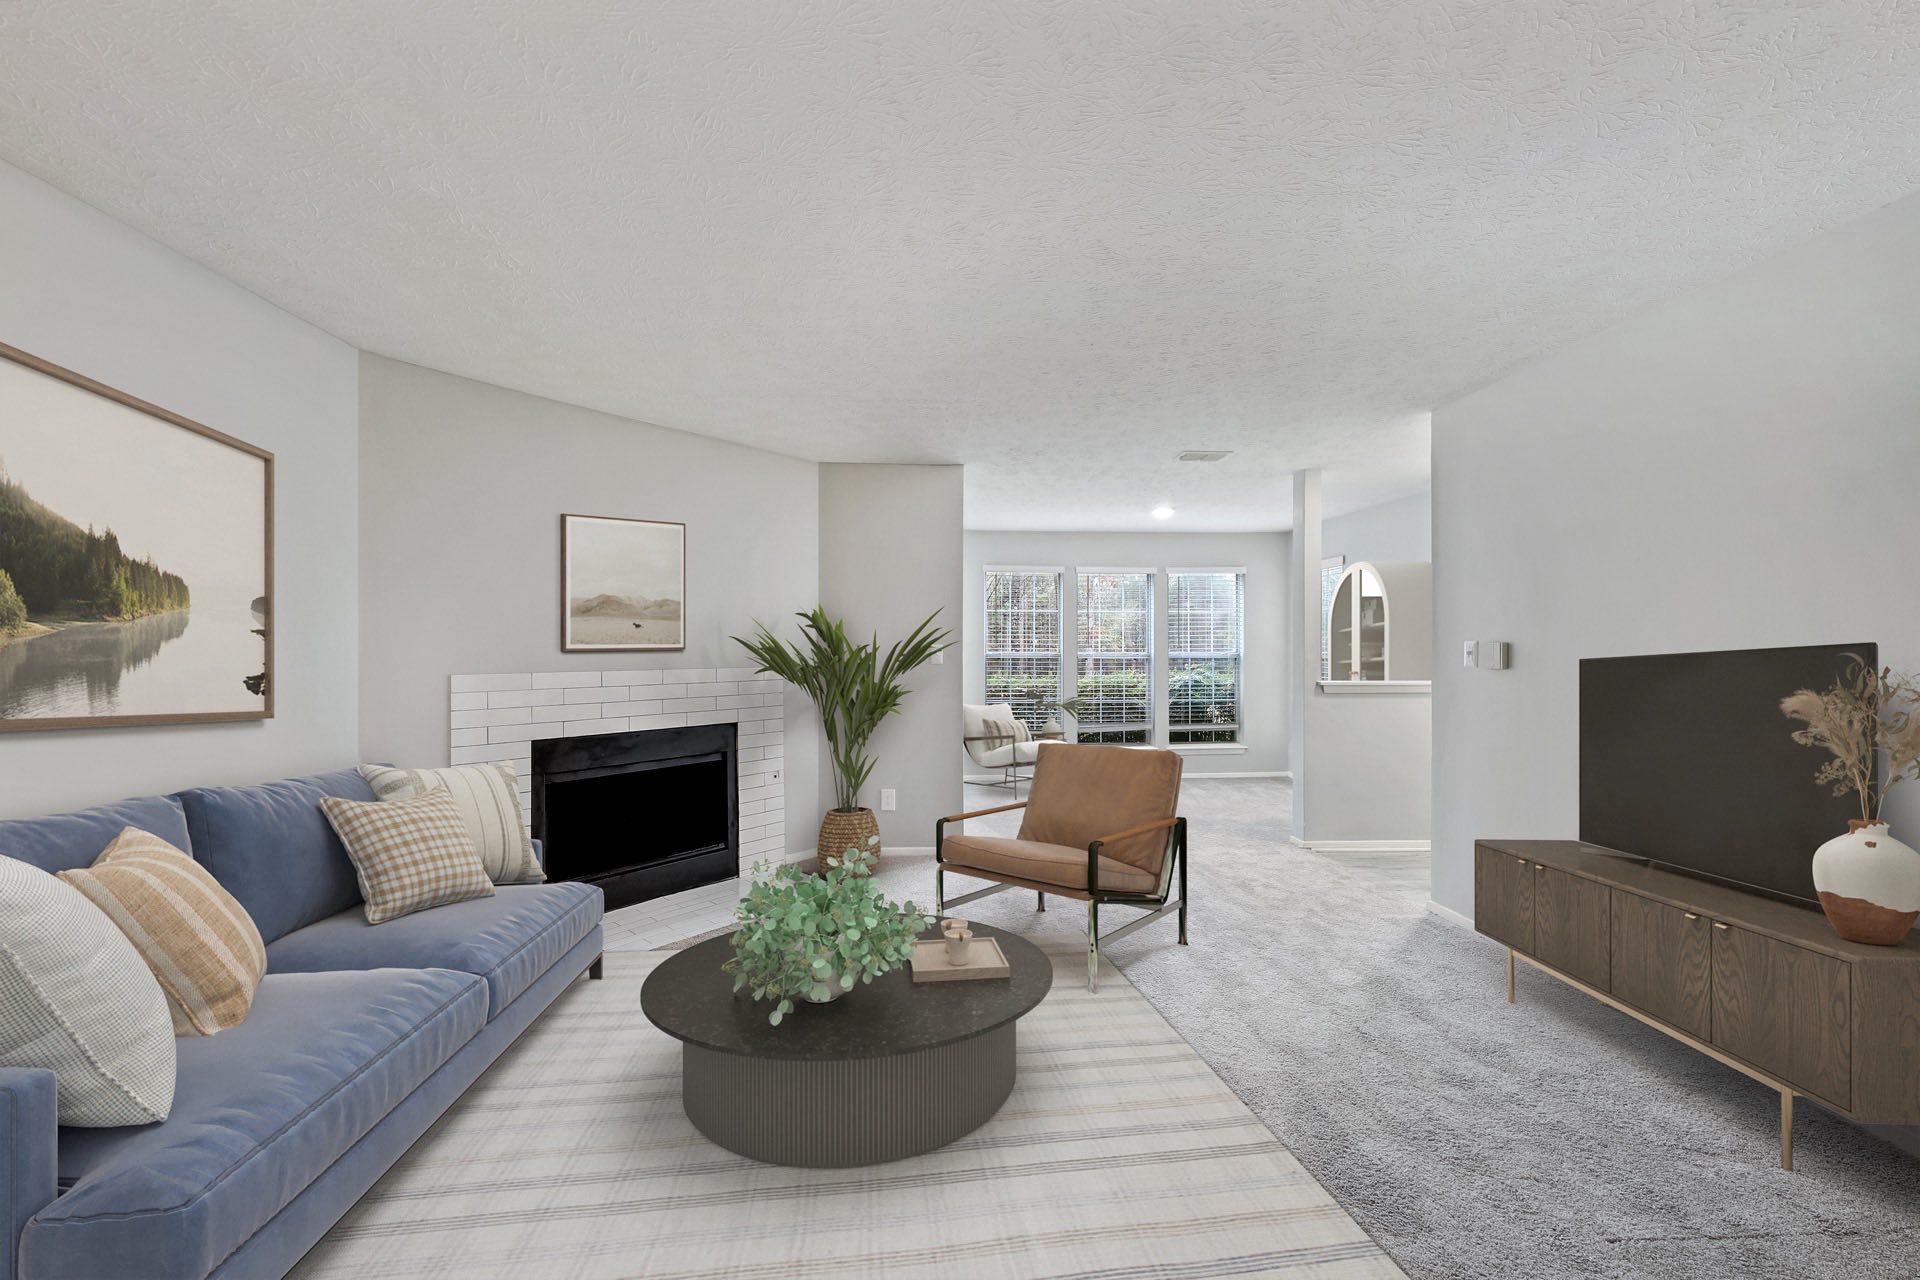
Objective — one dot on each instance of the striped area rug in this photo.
(1120, 1154)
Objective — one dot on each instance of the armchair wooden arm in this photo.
(1131, 832)
(981, 813)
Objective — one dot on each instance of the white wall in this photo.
(1265, 699)
(890, 555)
(462, 486)
(94, 296)
(1733, 468)
(1398, 530)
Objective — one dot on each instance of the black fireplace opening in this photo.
(640, 814)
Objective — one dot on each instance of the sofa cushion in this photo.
(272, 848)
(509, 939)
(261, 1110)
(69, 840)
(1032, 862)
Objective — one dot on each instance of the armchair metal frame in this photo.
(1173, 871)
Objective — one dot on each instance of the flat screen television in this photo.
(1686, 760)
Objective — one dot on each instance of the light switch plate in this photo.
(1470, 653)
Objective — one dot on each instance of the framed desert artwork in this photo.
(623, 584)
(136, 560)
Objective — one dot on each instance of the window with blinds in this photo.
(1023, 650)
(1114, 667)
(1206, 611)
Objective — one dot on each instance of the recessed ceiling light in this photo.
(1162, 512)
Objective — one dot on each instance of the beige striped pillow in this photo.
(410, 854)
(199, 942)
(488, 797)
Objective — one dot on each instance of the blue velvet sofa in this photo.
(359, 1038)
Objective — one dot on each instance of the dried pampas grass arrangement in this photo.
(1865, 713)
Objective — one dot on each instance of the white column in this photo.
(1304, 659)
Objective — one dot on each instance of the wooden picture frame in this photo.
(110, 648)
(621, 576)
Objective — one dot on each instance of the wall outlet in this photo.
(773, 775)
(1470, 653)
(886, 800)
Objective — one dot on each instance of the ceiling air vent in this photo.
(1204, 455)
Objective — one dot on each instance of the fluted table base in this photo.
(851, 1111)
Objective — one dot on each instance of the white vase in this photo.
(1869, 884)
(835, 989)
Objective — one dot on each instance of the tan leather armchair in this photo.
(1101, 825)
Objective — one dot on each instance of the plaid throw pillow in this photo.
(410, 854)
(199, 942)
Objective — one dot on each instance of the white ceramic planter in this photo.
(1869, 884)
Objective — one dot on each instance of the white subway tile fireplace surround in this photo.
(498, 717)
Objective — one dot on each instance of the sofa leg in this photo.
(598, 968)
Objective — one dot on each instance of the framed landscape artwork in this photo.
(136, 560)
(623, 584)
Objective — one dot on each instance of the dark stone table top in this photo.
(691, 999)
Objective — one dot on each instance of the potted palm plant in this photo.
(855, 686)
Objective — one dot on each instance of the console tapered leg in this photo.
(1509, 975)
(1786, 1131)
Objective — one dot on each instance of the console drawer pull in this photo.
(1718, 925)
(1693, 915)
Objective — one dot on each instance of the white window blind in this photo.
(1114, 672)
(1023, 641)
(1206, 611)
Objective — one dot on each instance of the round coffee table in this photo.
(892, 1069)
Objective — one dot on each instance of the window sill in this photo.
(1209, 749)
(1376, 686)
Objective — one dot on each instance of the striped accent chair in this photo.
(1101, 824)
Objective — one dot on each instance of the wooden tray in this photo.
(984, 960)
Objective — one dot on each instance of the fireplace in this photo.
(640, 814)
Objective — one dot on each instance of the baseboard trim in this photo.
(1449, 915)
(889, 849)
(1191, 774)
(1364, 846)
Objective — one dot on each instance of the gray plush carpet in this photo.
(1554, 1137)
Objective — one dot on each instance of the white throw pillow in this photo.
(488, 797)
(77, 999)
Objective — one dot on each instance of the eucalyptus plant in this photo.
(799, 933)
(854, 685)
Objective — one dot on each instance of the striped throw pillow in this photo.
(200, 943)
(410, 854)
(488, 797)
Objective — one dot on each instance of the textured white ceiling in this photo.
(1058, 242)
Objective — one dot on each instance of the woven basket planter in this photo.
(844, 829)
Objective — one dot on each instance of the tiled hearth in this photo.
(498, 717)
